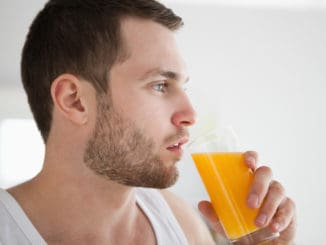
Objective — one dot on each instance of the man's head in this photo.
(116, 93)
(140, 131)
(83, 38)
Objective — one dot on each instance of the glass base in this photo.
(258, 237)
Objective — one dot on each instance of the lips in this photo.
(177, 146)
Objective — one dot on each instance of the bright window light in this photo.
(21, 151)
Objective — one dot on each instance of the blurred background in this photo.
(256, 65)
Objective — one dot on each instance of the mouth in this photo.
(177, 146)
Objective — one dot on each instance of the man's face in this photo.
(141, 125)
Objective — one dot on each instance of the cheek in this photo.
(151, 114)
(154, 121)
(146, 109)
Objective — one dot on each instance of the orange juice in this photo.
(227, 180)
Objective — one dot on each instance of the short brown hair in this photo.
(81, 37)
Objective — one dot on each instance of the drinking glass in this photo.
(227, 180)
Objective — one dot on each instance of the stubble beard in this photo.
(120, 152)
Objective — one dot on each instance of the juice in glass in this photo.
(227, 180)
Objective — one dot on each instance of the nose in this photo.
(184, 115)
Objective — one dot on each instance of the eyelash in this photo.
(163, 87)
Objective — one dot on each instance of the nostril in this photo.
(186, 123)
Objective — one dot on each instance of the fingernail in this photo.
(251, 160)
(261, 219)
(253, 201)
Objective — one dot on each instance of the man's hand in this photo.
(276, 209)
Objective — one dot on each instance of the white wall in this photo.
(263, 71)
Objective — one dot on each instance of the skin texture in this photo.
(84, 194)
(119, 151)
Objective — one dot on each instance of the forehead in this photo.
(149, 46)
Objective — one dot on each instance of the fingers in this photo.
(284, 217)
(276, 210)
(207, 210)
(287, 230)
(284, 222)
(260, 186)
(272, 202)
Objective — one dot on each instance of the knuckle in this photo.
(283, 218)
(286, 216)
(291, 204)
(266, 171)
(277, 188)
(280, 220)
(269, 208)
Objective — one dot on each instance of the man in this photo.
(105, 83)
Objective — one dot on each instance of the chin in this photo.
(171, 162)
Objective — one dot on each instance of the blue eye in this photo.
(160, 87)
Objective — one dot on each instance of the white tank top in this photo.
(17, 229)
(166, 228)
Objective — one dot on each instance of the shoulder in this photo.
(193, 226)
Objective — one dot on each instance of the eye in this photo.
(160, 87)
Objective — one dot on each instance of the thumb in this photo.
(206, 208)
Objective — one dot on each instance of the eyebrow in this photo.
(164, 73)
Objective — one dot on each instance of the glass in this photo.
(227, 180)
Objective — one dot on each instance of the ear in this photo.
(68, 97)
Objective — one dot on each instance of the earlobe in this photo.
(67, 96)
